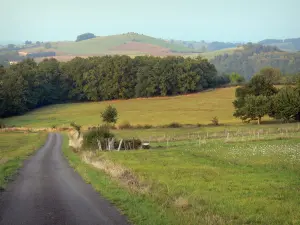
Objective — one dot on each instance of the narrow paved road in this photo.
(48, 191)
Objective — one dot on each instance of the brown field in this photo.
(143, 48)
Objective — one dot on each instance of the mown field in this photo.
(14, 148)
(197, 108)
(241, 180)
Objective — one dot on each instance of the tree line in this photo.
(259, 97)
(28, 85)
(251, 58)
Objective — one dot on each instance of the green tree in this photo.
(286, 104)
(259, 85)
(254, 108)
(236, 78)
(272, 74)
(110, 115)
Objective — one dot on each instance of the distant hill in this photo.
(292, 44)
(250, 58)
(203, 46)
(128, 43)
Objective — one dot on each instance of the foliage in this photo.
(173, 125)
(34, 85)
(251, 58)
(254, 108)
(236, 78)
(215, 121)
(124, 125)
(85, 36)
(260, 88)
(91, 137)
(286, 104)
(110, 115)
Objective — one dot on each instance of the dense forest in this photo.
(28, 85)
(251, 58)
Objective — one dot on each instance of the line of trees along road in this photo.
(28, 85)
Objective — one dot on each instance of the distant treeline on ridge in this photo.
(28, 85)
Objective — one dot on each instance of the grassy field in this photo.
(210, 182)
(14, 148)
(105, 44)
(188, 109)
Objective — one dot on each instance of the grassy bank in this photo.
(14, 149)
(139, 208)
(213, 182)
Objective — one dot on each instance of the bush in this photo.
(125, 125)
(146, 126)
(99, 133)
(173, 125)
(215, 121)
(110, 115)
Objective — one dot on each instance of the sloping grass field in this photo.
(210, 182)
(188, 109)
(104, 44)
(14, 148)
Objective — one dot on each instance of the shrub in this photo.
(124, 125)
(215, 121)
(110, 115)
(100, 133)
(173, 125)
(146, 126)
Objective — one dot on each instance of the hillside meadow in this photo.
(112, 44)
(196, 108)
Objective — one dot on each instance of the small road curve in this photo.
(48, 191)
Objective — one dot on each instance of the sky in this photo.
(210, 20)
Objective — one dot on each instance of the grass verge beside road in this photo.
(139, 208)
(14, 149)
(241, 182)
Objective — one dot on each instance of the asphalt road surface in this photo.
(48, 191)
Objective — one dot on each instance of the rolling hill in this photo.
(129, 44)
(251, 58)
(292, 44)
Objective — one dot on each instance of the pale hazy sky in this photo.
(222, 20)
